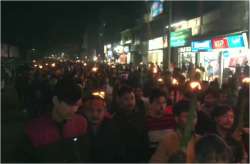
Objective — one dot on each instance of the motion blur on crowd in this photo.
(107, 112)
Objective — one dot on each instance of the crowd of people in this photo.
(102, 113)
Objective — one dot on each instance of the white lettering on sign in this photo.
(236, 41)
(204, 44)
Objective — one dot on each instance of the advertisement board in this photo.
(156, 43)
(180, 38)
(205, 45)
(156, 9)
(235, 41)
(219, 43)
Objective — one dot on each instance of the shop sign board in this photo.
(219, 43)
(180, 38)
(235, 41)
(205, 45)
(156, 43)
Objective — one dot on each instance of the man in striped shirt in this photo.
(158, 121)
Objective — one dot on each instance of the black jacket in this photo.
(105, 144)
(133, 135)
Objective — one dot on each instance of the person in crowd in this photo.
(223, 116)
(205, 122)
(170, 146)
(58, 136)
(141, 101)
(105, 146)
(212, 149)
(158, 121)
(131, 125)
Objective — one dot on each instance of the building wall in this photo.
(9, 51)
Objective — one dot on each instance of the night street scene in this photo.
(125, 81)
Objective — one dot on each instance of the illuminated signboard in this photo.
(156, 9)
(218, 43)
(180, 38)
(205, 45)
(156, 43)
(235, 41)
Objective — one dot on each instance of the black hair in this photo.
(68, 91)
(211, 149)
(156, 93)
(220, 110)
(181, 106)
(123, 90)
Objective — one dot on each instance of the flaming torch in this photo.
(94, 69)
(100, 94)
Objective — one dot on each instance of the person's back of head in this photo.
(126, 98)
(212, 149)
(181, 106)
(155, 94)
(68, 91)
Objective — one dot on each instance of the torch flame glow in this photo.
(175, 82)
(198, 70)
(195, 85)
(94, 69)
(160, 80)
(155, 70)
(99, 94)
(246, 80)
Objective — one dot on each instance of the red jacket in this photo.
(65, 140)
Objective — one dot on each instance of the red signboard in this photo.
(218, 43)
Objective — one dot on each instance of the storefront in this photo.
(155, 51)
(185, 56)
(220, 55)
(181, 53)
(123, 52)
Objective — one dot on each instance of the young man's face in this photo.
(225, 121)
(158, 105)
(66, 111)
(96, 111)
(127, 101)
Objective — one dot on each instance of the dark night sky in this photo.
(54, 24)
(51, 23)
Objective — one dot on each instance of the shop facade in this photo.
(155, 51)
(220, 55)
